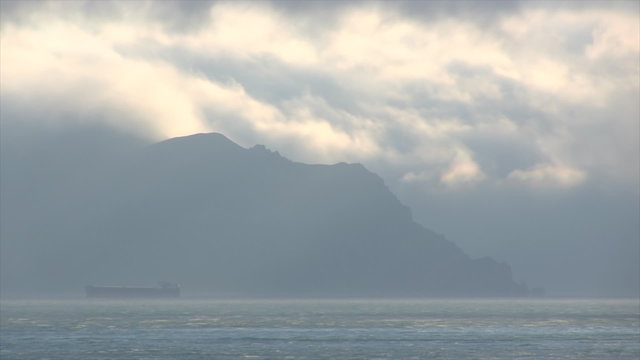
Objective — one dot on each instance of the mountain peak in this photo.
(202, 140)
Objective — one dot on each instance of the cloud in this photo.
(459, 92)
(66, 69)
(548, 175)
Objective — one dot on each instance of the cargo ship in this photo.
(163, 290)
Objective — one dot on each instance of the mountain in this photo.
(219, 218)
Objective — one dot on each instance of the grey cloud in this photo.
(499, 156)
(480, 12)
(497, 153)
(486, 13)
(15, 10)
(178, 16)
(182, 16)
(22, 12)
(514, 100)
(265, 78)
(174, 15)
(272, 81)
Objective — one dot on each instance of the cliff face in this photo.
(216, 217)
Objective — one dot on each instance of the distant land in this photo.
(218, 218)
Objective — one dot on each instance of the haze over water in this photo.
(577, 329)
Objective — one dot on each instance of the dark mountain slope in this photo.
(216, 217)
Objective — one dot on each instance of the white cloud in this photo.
(63, 66)
(250, 30)
(548, 176)
(462, 171)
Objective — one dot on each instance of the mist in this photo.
(509, 131)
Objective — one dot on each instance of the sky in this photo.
(511, 127)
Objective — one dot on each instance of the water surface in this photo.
(308, 329)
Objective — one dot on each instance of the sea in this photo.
(201, 328)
